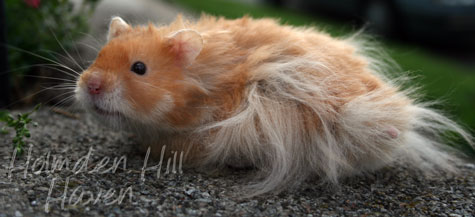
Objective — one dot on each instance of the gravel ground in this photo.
(41, 191)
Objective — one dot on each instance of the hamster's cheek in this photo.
(163, 106)
(80, 94)
(156, 112)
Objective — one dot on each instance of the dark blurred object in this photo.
(449, 22)
(4, 78)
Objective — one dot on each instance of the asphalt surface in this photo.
(101, 187)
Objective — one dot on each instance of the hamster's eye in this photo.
(139, 68)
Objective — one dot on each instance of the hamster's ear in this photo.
(186, 45)
(117, 27)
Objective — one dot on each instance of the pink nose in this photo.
(94, 86)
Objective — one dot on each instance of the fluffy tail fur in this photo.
(292, 126)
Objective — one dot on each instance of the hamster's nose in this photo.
(94, 86)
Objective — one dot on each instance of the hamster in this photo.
(292, 102)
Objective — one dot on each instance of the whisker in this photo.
(62, 70)
(77, 51)
(30, 95)
(42, 57)
(51, 78)
(46, 65)
(60, 87)
(56, 87)
(62, 101)
(64, 49)
(61, 55)
(90, 46)
(65, 84)
(98, 43)
(61, 95)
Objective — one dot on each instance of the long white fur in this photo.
(268, 129)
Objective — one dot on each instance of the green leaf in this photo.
(38, 106)
(19, 150)
(20, 126)
(3, 115)
(24, 116)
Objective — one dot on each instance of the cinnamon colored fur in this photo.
(291, 102)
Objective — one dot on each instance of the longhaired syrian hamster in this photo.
(290, 102)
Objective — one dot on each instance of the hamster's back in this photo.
(292, 102)
(313, 104)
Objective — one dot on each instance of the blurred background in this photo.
(47, 43)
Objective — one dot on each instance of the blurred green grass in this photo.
(440, 79)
